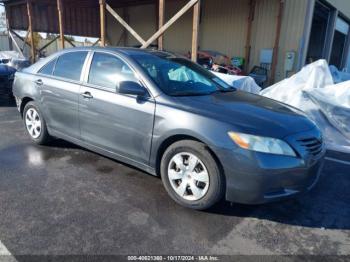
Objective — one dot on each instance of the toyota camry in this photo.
(172, 118)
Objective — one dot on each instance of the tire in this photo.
(39, 134)
(174, 174)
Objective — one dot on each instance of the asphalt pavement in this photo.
(62, 199)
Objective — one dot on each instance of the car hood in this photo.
(249, 113)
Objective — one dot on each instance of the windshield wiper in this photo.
(228, 90)
(190, 94)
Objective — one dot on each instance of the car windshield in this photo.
(177, 76)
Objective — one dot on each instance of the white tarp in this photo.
(339, 76)
(328, 105)
(245, 83)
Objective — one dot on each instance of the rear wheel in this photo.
(35, 124)
(191, 175)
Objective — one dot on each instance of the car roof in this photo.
(124, 50)
(127, 51)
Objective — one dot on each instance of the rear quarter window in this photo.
(48, 68)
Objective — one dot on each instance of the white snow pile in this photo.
(327, 104)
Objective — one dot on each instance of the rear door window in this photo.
(108, 71)
(70, 65)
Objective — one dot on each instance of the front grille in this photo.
(312, 145)
(3, 80)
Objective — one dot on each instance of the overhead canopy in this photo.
(80, 17)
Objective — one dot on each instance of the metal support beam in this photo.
(103, 22)
(125, 24)
(30, 29)
(169, 23)
(96, 42)
(277, 41)
(22, 39)
(69, 41)
(61, 22)
(124, 35)
(25, 40)
(15, 43)
(252, 5)
(47, 44)
(160, 22)
(195, 31)
(8, 27)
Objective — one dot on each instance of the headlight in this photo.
(262, 144)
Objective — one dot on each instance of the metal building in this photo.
(285, 34)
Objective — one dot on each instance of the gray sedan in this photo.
(172, 118)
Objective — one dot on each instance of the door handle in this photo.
(39, 82)
(87, 95)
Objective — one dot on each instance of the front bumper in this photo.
(5, 86)
(256, 178)
(18, 103)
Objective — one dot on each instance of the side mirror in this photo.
(131, 88)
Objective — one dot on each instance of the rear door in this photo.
(121, 124)
(60, 81)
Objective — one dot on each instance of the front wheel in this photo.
(191, 175)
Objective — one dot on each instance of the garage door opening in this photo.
(318, 36)
(338, 55)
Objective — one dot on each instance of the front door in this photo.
(121, 124)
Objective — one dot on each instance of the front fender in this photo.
(171, 122)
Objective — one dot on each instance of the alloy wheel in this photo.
(33, 123)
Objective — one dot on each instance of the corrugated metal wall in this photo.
(141, 18)
(264, 28)
(293, 23)
(264, 31)
(145, 24)
(178, 37)
(52, 48)
(4, 43)
(77, 20)
(223, 27)
(114, 30)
